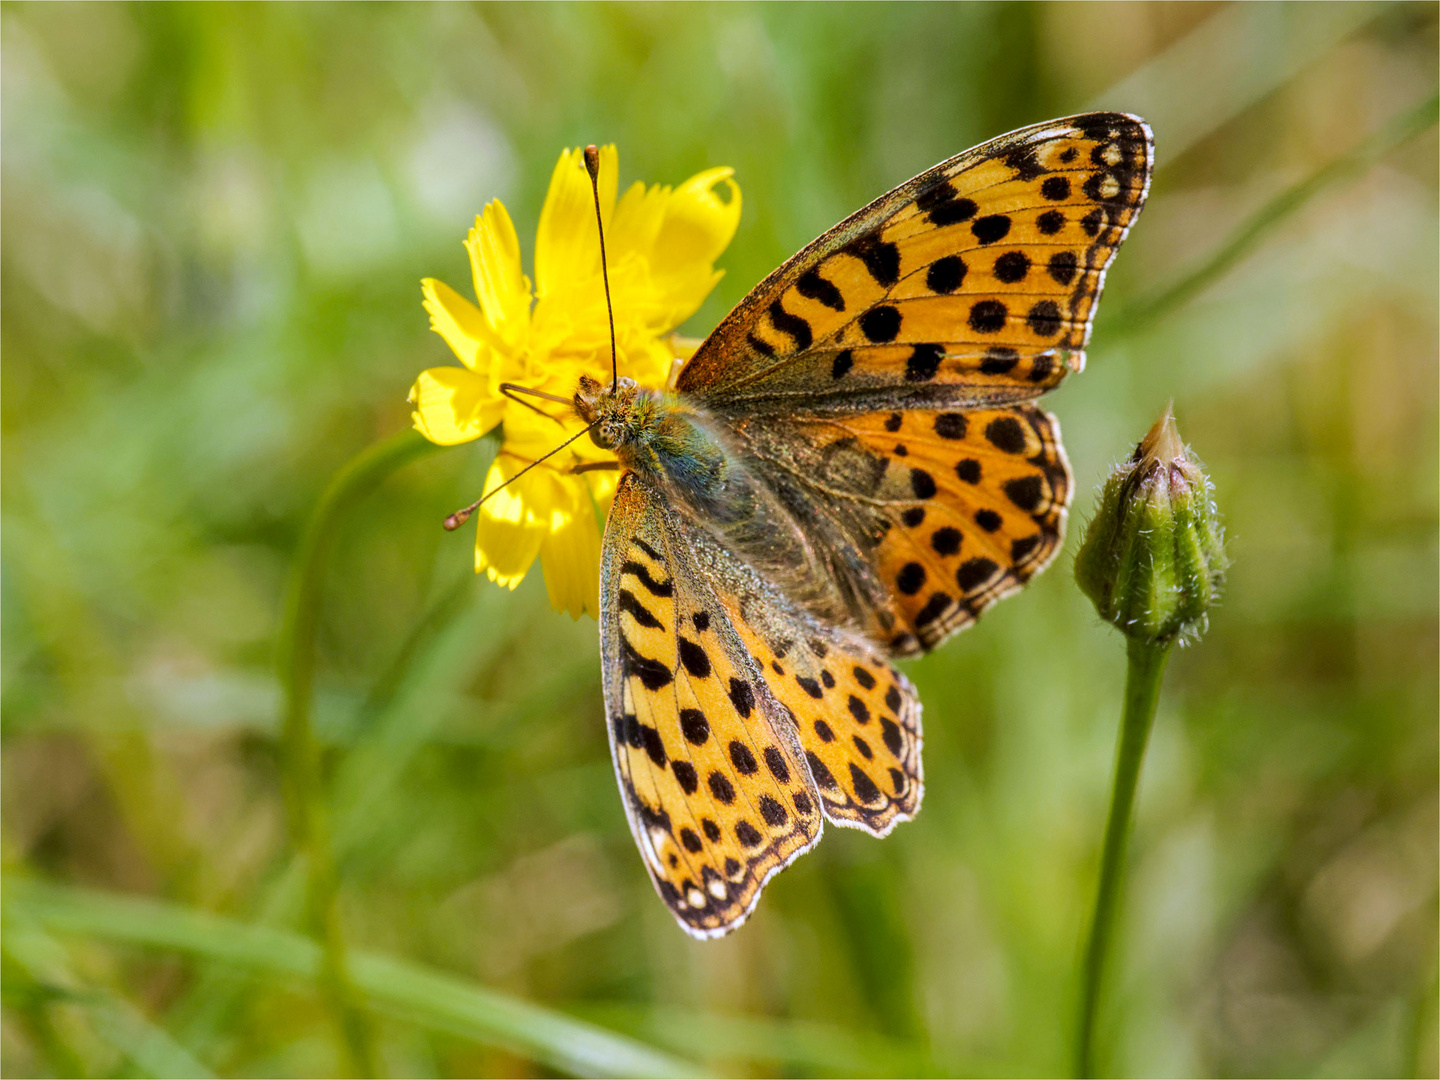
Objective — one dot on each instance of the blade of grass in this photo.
(798, 1046)
(1399, 130)
(46, 963)
(395, 987)
(305, 795)
(1234, 59)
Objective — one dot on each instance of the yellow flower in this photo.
(662, 244)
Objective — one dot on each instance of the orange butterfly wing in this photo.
(714, 780)
(972, 284)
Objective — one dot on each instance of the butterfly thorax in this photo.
(686, 456)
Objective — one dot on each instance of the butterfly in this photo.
(846, 472)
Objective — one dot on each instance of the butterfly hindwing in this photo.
(974, 283)
(858, 718)
(930, 515)
(713, 776)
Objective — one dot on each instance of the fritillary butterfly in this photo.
(848, 470)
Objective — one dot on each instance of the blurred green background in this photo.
(215, 219)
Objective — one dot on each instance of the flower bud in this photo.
(1153, 557)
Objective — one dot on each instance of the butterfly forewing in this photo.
(713, 777)
(972, 284)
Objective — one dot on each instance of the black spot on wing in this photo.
(946, 274)
(742, 758)
(775, 762)
(721, 788)
(924, 362)
(1022, 159)
(773, 813)
(1062, 267)
(1020, 549)
(793, 325)
(987, 316)
(694, 726)
(881, 324)
(823, 776)
(946, 541)
(1044, 319)
(814, 287)
(881, 258)
(910, 579)
(973, 573)
(695, 659)
(1005, 433)
(998, 360)
(653, 746)
(742, 696)
(1012, 267)
(864, 787)
(1056, 188)
(951, 425)
(991, 228)
(652, 674)
(642, 572)
(638, 611)
(686, 775)
(1026, 492)
(936, 606)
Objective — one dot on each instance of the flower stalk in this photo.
(1152, 561)
(300, 752)
(1146, 667)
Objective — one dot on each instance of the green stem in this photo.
(300, 753)
(406, 992)
(1142, 691)
(1145, 310)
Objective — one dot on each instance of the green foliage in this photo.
(214, 223)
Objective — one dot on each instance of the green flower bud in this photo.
(1153, 557)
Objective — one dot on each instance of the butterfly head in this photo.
(615, 413)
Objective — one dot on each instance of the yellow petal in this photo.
(698, 225)
(513, 522)
(637, 220)
(503, 289)
(571, 557)
(459, 322)
(453, 405)
(567, 246)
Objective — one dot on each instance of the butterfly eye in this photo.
(607, 434)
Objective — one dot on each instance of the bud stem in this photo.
(1143, 674)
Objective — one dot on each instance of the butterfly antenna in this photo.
(592, 166)
(459, 517)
